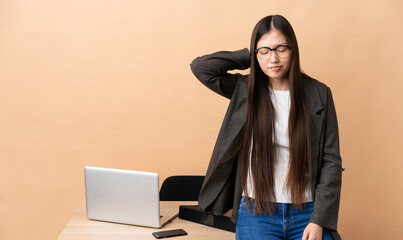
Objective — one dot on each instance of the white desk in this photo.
(81, 228)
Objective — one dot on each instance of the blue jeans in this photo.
(287, 223)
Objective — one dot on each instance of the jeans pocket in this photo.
(243, 202)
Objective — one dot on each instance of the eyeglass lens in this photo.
(280, 51)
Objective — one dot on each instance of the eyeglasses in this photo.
(281, 51)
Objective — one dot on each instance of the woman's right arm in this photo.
(212, 70)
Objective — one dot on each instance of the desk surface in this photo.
(81, 228)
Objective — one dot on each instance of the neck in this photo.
(279, 84)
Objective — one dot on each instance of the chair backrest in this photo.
(181, 188)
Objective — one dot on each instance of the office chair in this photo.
(181, 188)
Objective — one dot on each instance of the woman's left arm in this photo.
(328, 184)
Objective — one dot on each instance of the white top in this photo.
(281, 102)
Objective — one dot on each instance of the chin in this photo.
(275, 76)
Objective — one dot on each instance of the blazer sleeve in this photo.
(328, 187)
(211, 70)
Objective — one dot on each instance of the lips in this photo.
(275, 68)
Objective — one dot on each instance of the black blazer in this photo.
(222, 189)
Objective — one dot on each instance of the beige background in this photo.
(107, 83)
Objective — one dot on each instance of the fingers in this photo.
(312, 232)
(305, 235)
(308, 236)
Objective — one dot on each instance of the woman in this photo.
(276, 162)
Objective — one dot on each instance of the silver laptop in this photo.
(123, 196)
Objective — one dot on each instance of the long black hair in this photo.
(259, 151)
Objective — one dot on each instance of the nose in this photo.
(273, 57)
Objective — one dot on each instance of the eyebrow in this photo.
(275, 45)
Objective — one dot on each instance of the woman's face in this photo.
(275, 67)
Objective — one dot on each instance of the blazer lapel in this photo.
(316, 112)
(220, 165)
